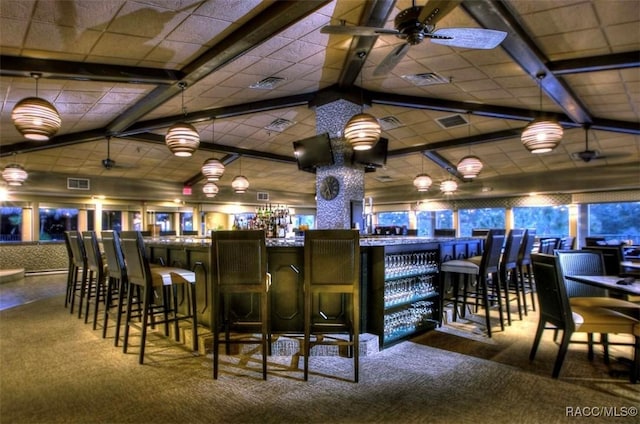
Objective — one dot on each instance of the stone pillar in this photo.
(336, 213)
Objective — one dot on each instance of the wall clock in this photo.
(329, 187)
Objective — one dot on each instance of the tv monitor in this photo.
(376, 157)
(313, 152)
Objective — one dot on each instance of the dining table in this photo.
(625, 286)
(630, 264)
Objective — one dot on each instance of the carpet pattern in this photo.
(55, 369)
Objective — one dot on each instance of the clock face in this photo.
(329, 187)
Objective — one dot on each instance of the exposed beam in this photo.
(58, 141)
(216, 147)
(268, 23)
(375, 14)
(496, 15)
(596, 63)
(84, 71)
(436, 158)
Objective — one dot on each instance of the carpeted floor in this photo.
(55, 369)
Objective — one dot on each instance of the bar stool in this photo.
(239, 262)
(80, 267)
(524, 269)
(72, 270)
(509, 270)
(95, 285)
(332, 292)
(155, 283)
(480, 267)
(117, 281)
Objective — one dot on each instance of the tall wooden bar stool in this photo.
(117, 282)
(72, 270)
(158, 287)
(525, 273)
(240, 292)
(332, 292)
(96, 280)
(509, 271)
(80, 267)
(484, 269)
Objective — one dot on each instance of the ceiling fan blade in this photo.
(361, 31)
(469, 38)
(435, 10)
(392, 59)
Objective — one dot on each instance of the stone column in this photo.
(336, 213)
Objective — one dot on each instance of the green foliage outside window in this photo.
(548, 221)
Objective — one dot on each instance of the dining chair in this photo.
(158, 287)
(484, 269)
(240, 292)
(332, 271)
(555, 310)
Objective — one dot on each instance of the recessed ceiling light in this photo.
(268, 83)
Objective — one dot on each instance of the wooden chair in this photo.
(332, 292)
(72, 270)
(158, 288)
(117, 281)
(80, 274)
(509, 270)
(95, 290)
(485, 270)
(239, 267)
(524, 269)
(556, 310)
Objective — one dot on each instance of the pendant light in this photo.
(470, 165)
(448, 186)
(210, 189)
(36, 118)
(240, 183)
(542, 135)
(212, 168)
(182, 138)
(363, 130)
(422, 181)
(14, 174)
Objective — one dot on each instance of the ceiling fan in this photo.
(587, 155)
(107, 162)
(419, 22)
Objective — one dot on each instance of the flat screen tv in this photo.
(313, 152)
(376, 157)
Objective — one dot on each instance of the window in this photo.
(393, 219)
(444, 219)
(480, 218)
(307, 220)
(425, 221)
(615, 221)
(136, 221)
(54, 222)
(10, 224)
(548, 221)
(186, 222)
(112, 220)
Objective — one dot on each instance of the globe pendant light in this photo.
(240, 183)
(470, 165)
(182, 138)
(36, 118)
(422, 181)
(14, 174)
(542, 135)
(210, 189)
(448, 186)
(362, 130)
(212, 168)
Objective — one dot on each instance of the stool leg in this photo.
(194, 316)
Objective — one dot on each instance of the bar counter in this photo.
(388, 295)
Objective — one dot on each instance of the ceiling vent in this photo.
(263, 196)
(427, 78)
(279, 125)
(268, 83)
(384, 178)
(452, 121)
(78, 184)
(390, 122)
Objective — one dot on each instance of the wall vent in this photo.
(268, 83)
(452, 121)
(78, 184)
(427, 78)
(263, 196)
(390, 122)
(384, 178)
(279, 125)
